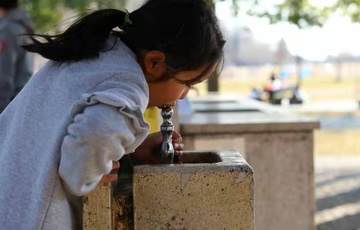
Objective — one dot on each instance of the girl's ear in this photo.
(154, 64)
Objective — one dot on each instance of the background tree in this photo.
(44, 13)
(47, 13)
(298, 12)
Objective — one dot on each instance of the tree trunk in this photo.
(213, 81)
(299, 62)
(338, 70)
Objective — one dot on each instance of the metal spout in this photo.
(167, 129)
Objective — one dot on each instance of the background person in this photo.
(16, 64)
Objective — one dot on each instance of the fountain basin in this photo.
(210, 190)
(223, 106)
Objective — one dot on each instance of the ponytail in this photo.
(186, 31)
(82, 40)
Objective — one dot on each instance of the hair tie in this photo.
(127, 20)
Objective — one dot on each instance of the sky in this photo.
(338, 35)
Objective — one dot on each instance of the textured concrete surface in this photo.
(233, 122)
(283, 163)
(122, 208)
(195, 196)
(97, 212)
(284, 192)
(337, 191)
(278, 144)
(231, 115)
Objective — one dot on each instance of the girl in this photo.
(66, 130)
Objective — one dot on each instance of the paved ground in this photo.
(337, 193)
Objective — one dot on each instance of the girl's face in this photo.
(164, 92)
(169, 91)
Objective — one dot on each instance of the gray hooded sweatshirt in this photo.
(16, 65)
(59, 136)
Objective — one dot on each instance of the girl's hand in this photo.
(148, 151)
(112, 176)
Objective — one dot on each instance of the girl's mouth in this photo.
(168, 105)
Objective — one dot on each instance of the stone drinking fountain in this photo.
(202, 190)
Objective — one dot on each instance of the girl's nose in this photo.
(183, 95)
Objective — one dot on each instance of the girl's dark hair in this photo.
(9, 4)
(186, 31)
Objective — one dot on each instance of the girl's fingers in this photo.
(178, 153)
(176, 137)
(108, 178)
(178, 146)
(116, 165)
(177, 140)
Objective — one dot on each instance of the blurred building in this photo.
(243, 49)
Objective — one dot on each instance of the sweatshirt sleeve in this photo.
(102, 133)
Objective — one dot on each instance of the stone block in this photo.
(283, 162)
(211, 190)
(97, 213)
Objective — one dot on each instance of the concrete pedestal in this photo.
(277, 144)
(195, 196)
(210, 190)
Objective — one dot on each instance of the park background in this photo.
(313, 43)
